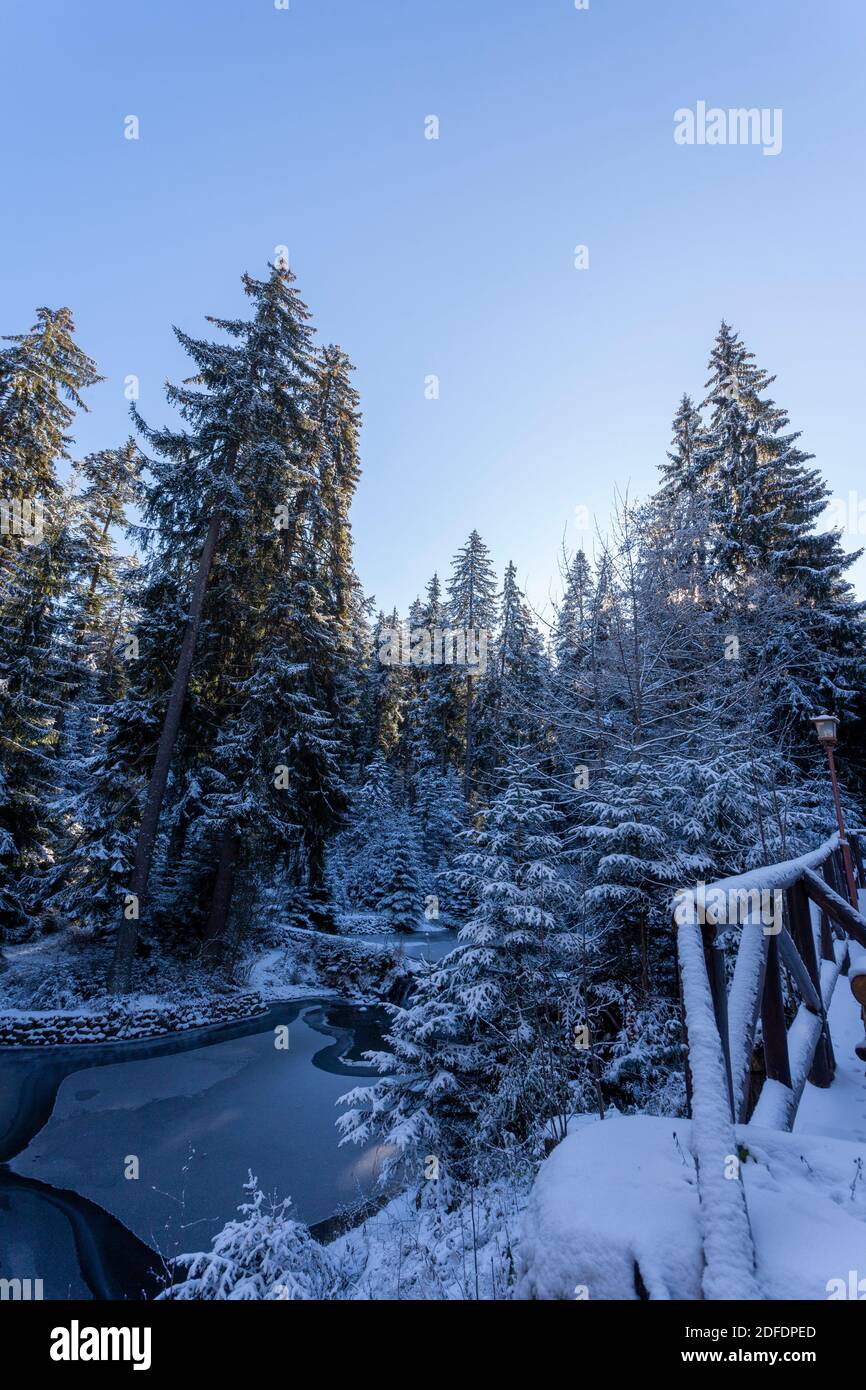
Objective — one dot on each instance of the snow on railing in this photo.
(729, 1255)
(788, 914)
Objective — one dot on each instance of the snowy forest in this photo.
(224, 769)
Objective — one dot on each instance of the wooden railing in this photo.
(795, 922)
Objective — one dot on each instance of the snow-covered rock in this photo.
(142, 1017)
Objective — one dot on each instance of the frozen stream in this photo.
(197, 1113)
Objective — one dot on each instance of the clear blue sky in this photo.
(261, 126)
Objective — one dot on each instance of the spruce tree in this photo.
(400, 901)
(764, 502)
(220, 490)
(42, 376)
(472, 607)
(512, 694)
(482, 1054)
(433, 710)
(98, 611)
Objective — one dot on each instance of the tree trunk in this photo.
(467, 768)
(120, 975)
(318, 898)
(215, 933)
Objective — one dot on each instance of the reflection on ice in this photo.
(197, 1121)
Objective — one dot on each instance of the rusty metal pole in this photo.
(843, 839)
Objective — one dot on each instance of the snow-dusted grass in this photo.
(416, 1248)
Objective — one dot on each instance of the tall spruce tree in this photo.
(433, 710)
(42, 376)
(764, 503)
(221, 489)
(472, 607)
(511, 713)
(97, 610)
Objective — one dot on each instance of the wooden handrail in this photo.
(835, 906)
(721, 1026)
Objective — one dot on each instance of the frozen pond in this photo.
(421, 945)
(193, 1117)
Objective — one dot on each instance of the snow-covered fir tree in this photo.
(472, 607)
(42, 376)
(222, 516)
(482, 1055)
(512, 693)
(400, 901)
(763, 503)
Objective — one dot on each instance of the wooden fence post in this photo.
(800, 924)
(714, 955)
(773, 1027)
(857, 851)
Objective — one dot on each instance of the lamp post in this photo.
(825, 727)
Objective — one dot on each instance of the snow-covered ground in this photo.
(841, 1109)
(433, 1251)
(614, 1213)
(614, 1210)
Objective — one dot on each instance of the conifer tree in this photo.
(764, 503)
(32, 695)
(42, 376)
(682, 471)
(440, 813)
(512, 692)
(264, 1254)
(400, 901)
(433, 708)
(482, 1053)
(96, 614)
(222, 487)
(472, 607)
(358, 853)
(278, 785)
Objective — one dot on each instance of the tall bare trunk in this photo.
(215, 934)
(467, 767)
(120, 975)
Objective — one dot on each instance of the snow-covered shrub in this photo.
(266, 1255)
(644, 1064)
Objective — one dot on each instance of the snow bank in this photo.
(616, 1196)
(619, 1196)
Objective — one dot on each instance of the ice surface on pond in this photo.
(199, 1120)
